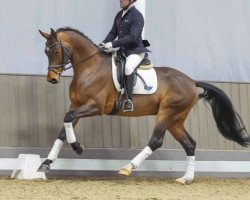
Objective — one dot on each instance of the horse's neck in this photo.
(83, 55)
(85, 60)
(91, 79)
(95, 64)
(82, 51)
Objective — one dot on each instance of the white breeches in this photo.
(132, 61)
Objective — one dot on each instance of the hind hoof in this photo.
(125, 172)
(44, 168)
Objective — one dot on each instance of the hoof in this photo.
(44, 168)
(78, 148)
(125, 172)
(79, 151)
(183, 181)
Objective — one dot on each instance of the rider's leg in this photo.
(132, 61)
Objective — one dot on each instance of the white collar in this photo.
(124, 11)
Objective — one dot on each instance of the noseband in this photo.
(62, 66)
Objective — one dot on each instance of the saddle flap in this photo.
(145, 84)
(120, 61)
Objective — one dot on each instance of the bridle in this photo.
(63, 64)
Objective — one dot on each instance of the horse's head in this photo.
(59, 54)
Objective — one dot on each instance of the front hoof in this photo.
(79, 151)
(183, 181)
(125, 172)
(78, 148)
(44, 168)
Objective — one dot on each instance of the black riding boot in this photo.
(129, 82)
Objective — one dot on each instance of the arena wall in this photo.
(32, 112)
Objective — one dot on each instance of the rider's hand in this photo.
(108, 45)
(101, 45)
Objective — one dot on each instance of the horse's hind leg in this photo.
(181, 135)
(53, 154)
(155, 142)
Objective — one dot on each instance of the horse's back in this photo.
(168, 72)
(176, 86)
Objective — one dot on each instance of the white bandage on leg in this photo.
(145, 153)
(132, 61)
(71, 138)
(189, 175)
(53, 154)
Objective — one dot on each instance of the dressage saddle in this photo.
(120, 62)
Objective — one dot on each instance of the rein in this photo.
(83, 60)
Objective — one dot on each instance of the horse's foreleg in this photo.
(182, 136)
(155, 142)
(87, 110)
(53, 154)
(71, 138)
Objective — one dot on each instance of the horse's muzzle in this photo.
(53, 81)
(53, 77)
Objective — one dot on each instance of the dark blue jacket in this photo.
(129, 31)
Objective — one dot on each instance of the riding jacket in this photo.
(128, 28)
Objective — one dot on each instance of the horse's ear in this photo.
(53, 33)
(45, 35)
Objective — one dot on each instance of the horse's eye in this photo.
(57, 52)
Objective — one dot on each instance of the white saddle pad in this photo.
(149, 77)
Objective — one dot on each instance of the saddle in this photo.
(120, 61)
(144, 70)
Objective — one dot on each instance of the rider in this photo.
(128, 26)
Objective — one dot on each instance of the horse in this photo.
(92, 92)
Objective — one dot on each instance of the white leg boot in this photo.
(144, 154)
(70, 135)
(55, 150)
(189, 175)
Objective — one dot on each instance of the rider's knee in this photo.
(128, 70)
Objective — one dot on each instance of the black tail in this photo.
(228, 121)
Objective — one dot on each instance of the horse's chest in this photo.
(78, 96)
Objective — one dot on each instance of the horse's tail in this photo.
(228, 121)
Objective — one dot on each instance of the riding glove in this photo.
(108, 45)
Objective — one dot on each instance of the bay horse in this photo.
(92, 92)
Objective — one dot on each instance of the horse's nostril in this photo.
(54, 81)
